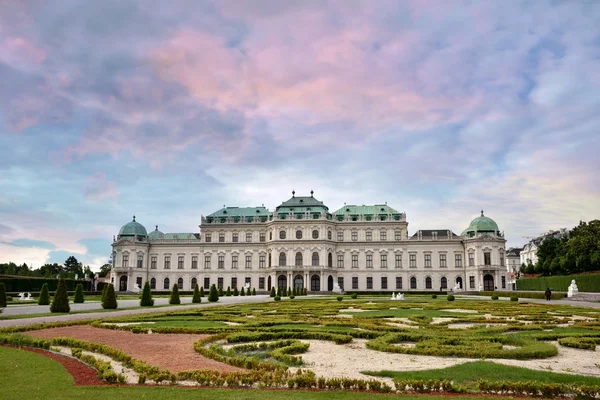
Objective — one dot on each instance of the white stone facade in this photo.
(360, 253)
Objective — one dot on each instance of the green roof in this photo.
(482, 224)
(302, 203)
(178, 236)
(133, 228)
(241, 212)
(366, 210)
(155, 234)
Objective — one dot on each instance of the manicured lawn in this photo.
(23, 316)
(25, 375)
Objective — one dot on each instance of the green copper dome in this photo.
(155, 234)
(133, 228)
(481, 224)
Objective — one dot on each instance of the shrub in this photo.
(253, 292)
(277, 298)
(196, 298)
(201, 291)
(78, 298)
(514, 298)
(450, 297)
(147, 300)
(175, 295)
(354, 296)
(236, 292)
(44, 299)
(9, 298)
(494, 297)
(2, 295)
(213, 296)
(228, 293)
(272, 294)
(434, 296)
(60, 303)
(289, 292)
(221, 292)
(109, 299)
(292, 297)
(242, 292)
(340, 298)
(278, 292)
(283, 292)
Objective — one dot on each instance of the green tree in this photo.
(109, 298)
(104, 270)
(202, 291)
(73, 267)
(221, 293)
(253, 291)
(147, 300)
(235, 291)
(242, 292)
(2, 295)
(44, 298)
(213, 296)
(175, 295)
(78, 298)
(196, 296)
(273, 293)
(60, 302)
(228, 293)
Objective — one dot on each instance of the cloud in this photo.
(23, 242)
(98, 188)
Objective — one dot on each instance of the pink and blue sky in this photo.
(170, 109)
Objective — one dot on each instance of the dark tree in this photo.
(109, 298)
(196, 296)
(73, 267)
(78, 298)
(273, 293)
(213, 296)
(253, 291)
(147, 300)
(175, 295)
(2, 295)
(44, 299)
(242, 292)
(60, 302)
(202, 291)
(104, 270)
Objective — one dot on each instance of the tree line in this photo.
(578, 253)
(68, 269)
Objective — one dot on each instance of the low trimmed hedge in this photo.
(585, 283)
(525, 295)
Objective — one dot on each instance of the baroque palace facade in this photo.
(304, 245)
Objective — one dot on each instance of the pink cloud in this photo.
(98, 187)
(20, 50)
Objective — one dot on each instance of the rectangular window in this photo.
(413, 283)
(248, 282)
(340, 261)
(138, 281)
(369, 282)
(341, 282)
(194, 262)
(221, 261)
(412, 261)
(261, 262)
(233, 282)
(354, 260)
(207, 238)
(383, 283)
(219, 283)
(398, 261)
(263, 238)
(502, 259)
(206, 283)
(472, 282)
(354, 236)
(487, 258)
(369, 236)
(354, 282)
(384, 261)
(471, 259)
(248, 262)
(167, 262)
(503, 282)
(248, 236)
(234, 238)
(458, 260)
(398, 235)
(369, 261)
(234, 262)
(153, 262)
(125, 260)
(180, 262)
(207, 262)
(152, 283)
(427, 260)
(383, 235)
(140, 261)
(443, 261)
(261, 283)
(340, 236)
(221, 237)
(398, 282)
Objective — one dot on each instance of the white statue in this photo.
(393, 295)
(400, 296)
(136, 289)
(573, 289)
(337, 289)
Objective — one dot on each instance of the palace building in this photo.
(303, 244)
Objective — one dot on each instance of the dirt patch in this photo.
(82, 374)
(174, 352)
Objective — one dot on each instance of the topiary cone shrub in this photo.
(305, 292)
(147, 300)
(278, 292)
(78, 298)
(44, 298)
(213, 296)
(109, 298)
(253, 292)
(228, 293)
(196, 298)
(242, 292)
(236, 292)
(273, 293)
(202, 291)
(2, 295)
(60, 303)
(221, 293)
(175, 295)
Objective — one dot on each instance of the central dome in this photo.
(133, 229)
(481, 224)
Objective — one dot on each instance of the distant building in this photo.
(513, 264)
(529, 253)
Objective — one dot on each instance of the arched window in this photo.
(153, 283)
(194, 283)
(298, 258)
(315, 234)
(428, 283)
(281, 234)
(167, 283)
(282, 282)
(330, 260)
(282, 259)
(298, 234)
(315, 259)
(329, 235)
(180, 283)
(315, 283)
(413, 282)
(444, 283)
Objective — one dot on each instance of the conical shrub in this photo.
(228, 293)
(273, 293)
(147, 300)
(202, 291)
(221, 292)
(235, 292)
(213, 296)
(60, 303)
(242, 292)
(2, 295)
(196, 296)
(109, 300)
(78, 298)
(253, 292)
(175, 295)
(44, 299)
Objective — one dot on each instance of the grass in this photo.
(99, 310)
(25, 375)
(468, 373)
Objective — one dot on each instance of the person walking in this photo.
(548, 294)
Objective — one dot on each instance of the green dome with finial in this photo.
(132, 229)
(155, 234)
(481, 224)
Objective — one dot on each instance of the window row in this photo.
(166, 284)
(487, 258)
(354, 236)
(235, 237)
